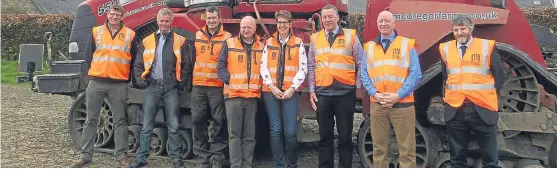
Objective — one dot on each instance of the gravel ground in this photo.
(34, 134)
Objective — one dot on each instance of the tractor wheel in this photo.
(133, 138)
(77, 117)
(365, 147)
(442, 161)
(187, 147)
(158, 141)
(520, 90)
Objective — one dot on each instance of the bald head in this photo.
(247, 27)
(385, 23)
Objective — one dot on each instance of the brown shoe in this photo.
(80, 163)
(125, 162)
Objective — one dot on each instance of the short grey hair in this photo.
(167, 12)
(462, 20)
(329, 6)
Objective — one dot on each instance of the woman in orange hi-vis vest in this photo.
(473, 74)
(238, 67)
(283, 69)
(113, 51)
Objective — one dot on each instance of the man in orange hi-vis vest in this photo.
(163, 68)
(207, 100)
(334, 83)
(238, 67)
(390, 71)
(473, 74)
(113, 51)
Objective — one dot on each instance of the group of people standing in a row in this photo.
(227, 75)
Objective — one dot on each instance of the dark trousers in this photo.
(240, 114)
(282, 118)
(117, 95)
(342, 109)
(467, 120)
(154, 94)
(207, 103)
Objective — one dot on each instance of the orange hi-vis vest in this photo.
(242, 84)
(207, 51)
(291, 60)
(388, 70)
(334, 61)
(469, 77)
(112, 58)
(150, 44)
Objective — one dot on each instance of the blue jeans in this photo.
(154, 94)
(282, 118)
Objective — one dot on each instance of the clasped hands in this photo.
(281, 95)
(387, 99)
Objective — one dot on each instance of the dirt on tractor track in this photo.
(35, 134)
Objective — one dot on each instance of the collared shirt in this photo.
(302, 66)
(283, 40)
(357, 52)
(414, 73)
(157, 67)
(335, 31)
(458, 45)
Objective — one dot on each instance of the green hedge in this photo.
(30, 28)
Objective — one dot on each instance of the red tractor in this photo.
(527, 104)
(70, 77)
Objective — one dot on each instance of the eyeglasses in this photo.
(283, 23)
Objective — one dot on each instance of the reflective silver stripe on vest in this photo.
(378, 79)
(335, 65)
(231, 44)
(403, 62)
(471, 87)
(149, 52)
(124, 48)
(99, 35)
(446, 51)
(484, 70)
(399, 63)
(127, 39)
(147, 64)
(290, 68)
(110, 59)
(207, 65)
(113, 47)
(345, 51)
(485, 51)
(208, 75)
(239, 76)
(177, 51)
(243, 86)
(369, 56)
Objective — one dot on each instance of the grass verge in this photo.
(9, 72)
